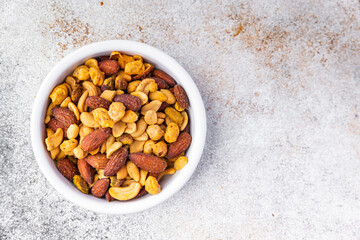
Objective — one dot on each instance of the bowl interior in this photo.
(169, 184)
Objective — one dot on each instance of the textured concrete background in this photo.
(281, 84)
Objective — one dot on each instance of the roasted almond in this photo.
(86, 171)
(181, 96)
(97, 102)
(109, 67)
(54, 124)
(148, 162)
(164, 76)
(161, 83)
(163, 106)
(131, 102)
(95, 139)
(65, 116)
(117, 160)
(67, 168)
(97, 161)
(100, 188)
(182, 143)
(108, 197)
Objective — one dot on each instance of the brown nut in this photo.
(97, 102)
(164, 76)
(181, 96)
(109, 67)
(131, 102)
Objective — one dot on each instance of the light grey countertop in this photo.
(281, 84)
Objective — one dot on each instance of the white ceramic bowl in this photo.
(170, 184)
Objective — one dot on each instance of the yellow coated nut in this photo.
(140, 128)
(66, 102)
(144, 98)
(172, 132)
(168, 171)
(152, 186)
(132, 86)
(81, 73)
(124, 76)
(185, 120)
(148, 146)
(158, 95)
(54, 140)
(79, 153)
(143, 175)
(50, 107)
(125, 193)
(84, 130)
(68, 146)
(174, 115)
(92, 62)
(135, 67)
(130, 128)
(133, 171)
(123, 59)
(142, 137)
(122, 173)
(96, 177)
(72, 107)
(118, 129)
(175, 158)
(91, 88)
(115, 146)
(71, 81)
(60, 156)
(88, 120)
(47, 119)
(59, 94)
(151, 117)
(116, 111)
(73, 131)
(81, 104)
(170, 96)
(137, 146)
(160, 149)
(101, 173)
(125, 139)
(152, 87)
(55, 152)
(80, 183)
(109, 141)
(95, 151)
(96, 76)
(153, 105)
(180, 162)
(49, 132)
(130, 116)
(155, 132)
(102, 117)
(178, 107)
(103, 147)
(115, 55)
(108, 95)
(144, 85)
(127, 182)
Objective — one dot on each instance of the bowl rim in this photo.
(57, 74)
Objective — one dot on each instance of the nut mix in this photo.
(116, 126)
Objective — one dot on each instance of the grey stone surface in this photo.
(280, 81)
